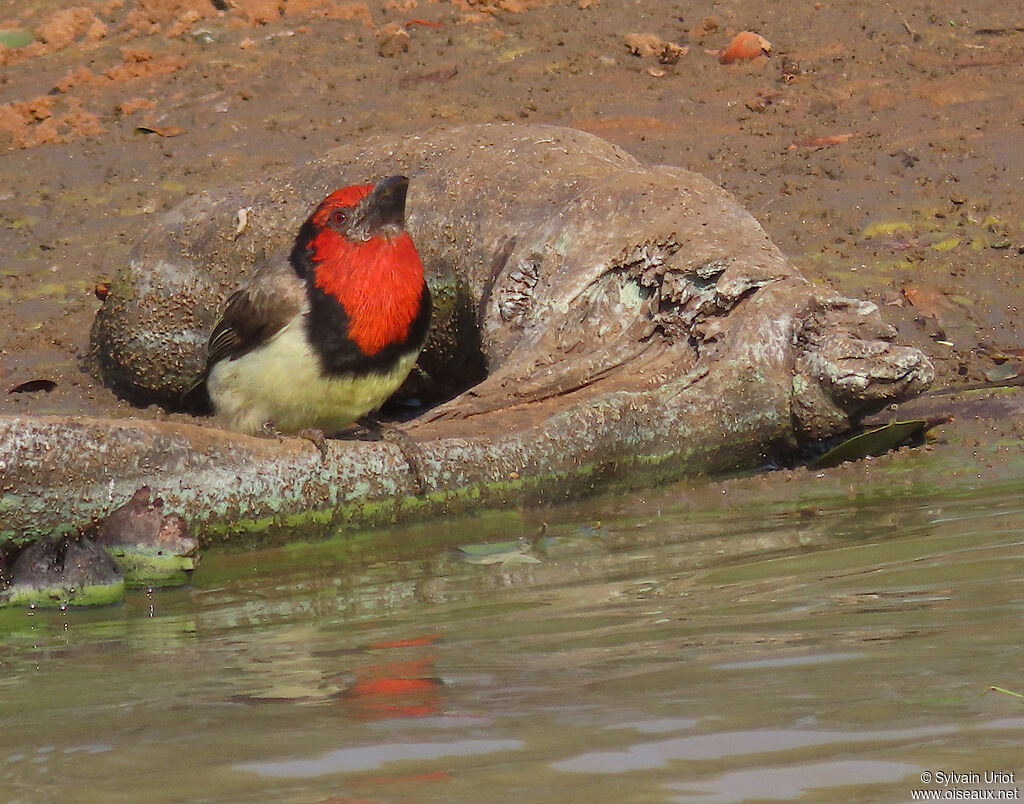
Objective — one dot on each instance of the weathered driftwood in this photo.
(611, 317)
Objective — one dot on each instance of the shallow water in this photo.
(641, 648)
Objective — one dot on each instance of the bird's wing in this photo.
(257, 312)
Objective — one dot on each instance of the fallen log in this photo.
(595, 319)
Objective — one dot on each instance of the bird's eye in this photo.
(338, 217)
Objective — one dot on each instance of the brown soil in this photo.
(880, 149)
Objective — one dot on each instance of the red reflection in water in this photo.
(426, 639)
(397, 689)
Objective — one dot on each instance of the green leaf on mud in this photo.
(16, 37)
(516, 552)
(1003, 372)
(24, 222)
(946, 244)
(1003, 691)
(956, 700)
(886, 228)
(873, 442)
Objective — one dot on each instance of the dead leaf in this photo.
(875, 442)
(1003, 372)
(162, 131)
(32, 387)
(929, 300)
(823, 142)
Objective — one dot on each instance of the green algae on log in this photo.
(605, 319)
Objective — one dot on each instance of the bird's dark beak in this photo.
(385, 205)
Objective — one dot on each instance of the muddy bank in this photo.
(879, 150)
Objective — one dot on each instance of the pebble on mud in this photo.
(392, 39)
(746, 45)
(646, 44)
(790, 70)
(762, 99)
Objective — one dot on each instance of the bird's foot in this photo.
(410, 450)
(316, 436)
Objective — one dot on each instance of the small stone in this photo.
(392, 39)
(646, 44)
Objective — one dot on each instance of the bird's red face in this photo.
(364, 258)
(336, 210)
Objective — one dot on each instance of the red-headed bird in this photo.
(320, 343)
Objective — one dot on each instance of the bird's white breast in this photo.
(280, 384)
